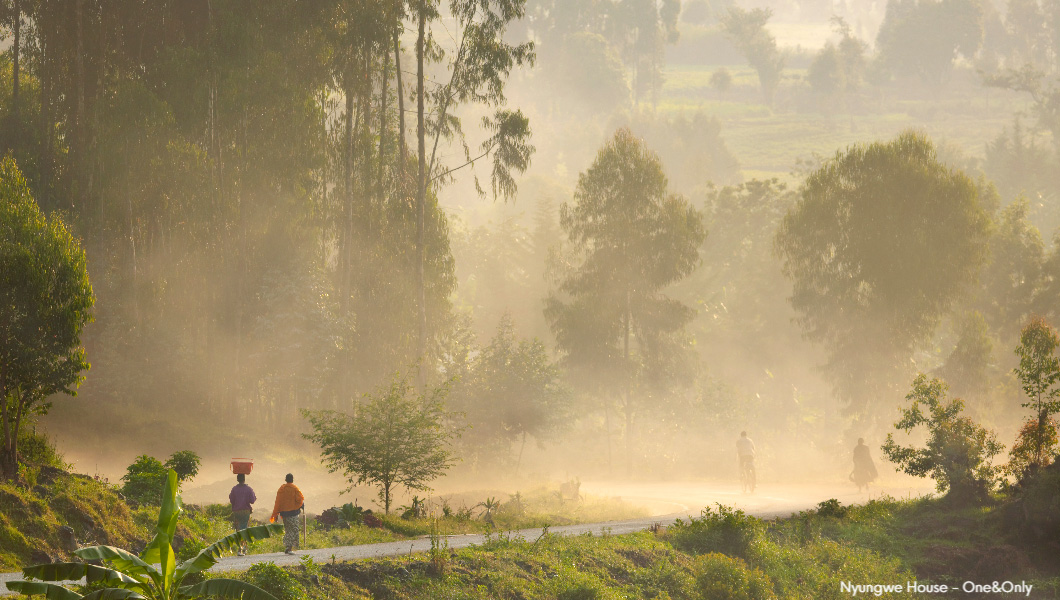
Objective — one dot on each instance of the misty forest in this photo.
(551, 241)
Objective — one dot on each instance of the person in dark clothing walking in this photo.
(864, 469)
(242, 497)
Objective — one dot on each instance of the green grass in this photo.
(722, 554)
(31, 516)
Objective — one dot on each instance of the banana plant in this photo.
(154, 574)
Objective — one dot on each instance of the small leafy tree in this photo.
(1025, 453)
(747, 29)
(186, 463)
(45, 303)
(125, 576)
(630, 240)
(512, 391)
(395, 437)
(144, 480)
(958, 451)
(1039, 373)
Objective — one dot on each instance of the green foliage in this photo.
(968, 366)
(721, 79)
(726, 530)
(692, 148)
(37, 450)
(922, 39)
(395, 437)
(185, 463)
(512, 390)
(45, 303)
(275, 581)
(125, 575)
(1030, 451)
(1010, 277)
(145, 479)
(1037, 509)
(832, 508)
(882, 242)
(629, 240)
(190, 549)
(1039, 369)
(838, 69)
(352, 514)
(720, 577)
(958, 451)
(747, 29)
(589, 67)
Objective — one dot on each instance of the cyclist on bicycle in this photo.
(745, 449)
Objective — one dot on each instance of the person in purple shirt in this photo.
(241, 497)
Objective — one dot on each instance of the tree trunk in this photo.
(607, 427)
(97, 117)
(8, 462)
(1039, 455)
(519, 461)
(17, 26)
(365, 140)
(78, 155)
(421, 193)
(629, 388)
(401, 103)
(383, 88)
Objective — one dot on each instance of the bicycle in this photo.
(747, 474)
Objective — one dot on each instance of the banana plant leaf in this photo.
(209, 555)
(160, 549)
(166, 526)
(123, 561)
(113, 594)
(226, 588)
(91, 573)
(50, 590)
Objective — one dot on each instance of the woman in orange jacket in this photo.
(289, 502)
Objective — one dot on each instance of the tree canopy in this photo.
(395, 437)
(883, 240)
(45, 302)
(958, 452)
(628, 240)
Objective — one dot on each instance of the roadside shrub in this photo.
(189, 549)
(719, 577)
(35, 449)
(145, 480)
(185, 463)
(1037, 511)
(1025, 455)
(958, 450)
(832, 508)
(146, 477)
(726, 530)
(275, 581)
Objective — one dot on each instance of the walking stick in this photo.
(305, 526)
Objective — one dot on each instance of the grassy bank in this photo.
(723, 554)
(49, 512)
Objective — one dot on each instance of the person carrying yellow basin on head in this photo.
(289, 503)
